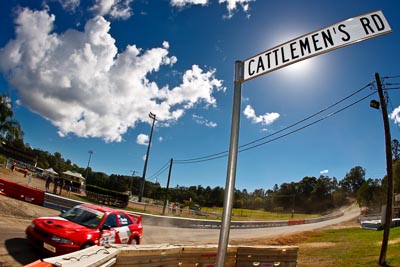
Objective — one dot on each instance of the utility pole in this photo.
(152, 116)
(133, 174)
(389, 199)
(166, 190)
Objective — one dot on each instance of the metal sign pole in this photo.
(231, 171)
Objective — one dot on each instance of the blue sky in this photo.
(84, 75)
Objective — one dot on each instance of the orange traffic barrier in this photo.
(38, 263)
(296, 222)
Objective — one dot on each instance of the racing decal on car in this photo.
(53, 218)
(107, 238)
(123, 234)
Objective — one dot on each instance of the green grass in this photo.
(348, 247)
(246, 214)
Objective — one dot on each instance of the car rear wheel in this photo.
(134, 241)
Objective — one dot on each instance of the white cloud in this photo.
(182, 3)
(116, 9)
(70, 5)
(201, 120)
(324, 172)
(233, 4)
(196, 86)
(121, 9)
(84, 86)
(266, 119)
(395, 115)
(142, 139)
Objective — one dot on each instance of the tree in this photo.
(396, 176)
(321, 196)
(395, 149)
(10, 129)
(371, 195)
(353, 181)
(218, 196)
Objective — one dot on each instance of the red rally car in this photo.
(83, 226)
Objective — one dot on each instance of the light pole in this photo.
(87, 168)
(152, 116)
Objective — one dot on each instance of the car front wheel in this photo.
(86, 245)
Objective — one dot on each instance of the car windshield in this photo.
(83, 216)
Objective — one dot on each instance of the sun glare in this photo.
(299, 70)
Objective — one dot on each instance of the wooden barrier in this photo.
(147, 256)
(22, 192)
(282, 256)
(176, 256)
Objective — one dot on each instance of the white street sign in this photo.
(335, 36)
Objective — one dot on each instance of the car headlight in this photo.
(61, 240)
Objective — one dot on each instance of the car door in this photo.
(108, 232)
(123, 232)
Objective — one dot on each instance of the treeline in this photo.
(309, 195)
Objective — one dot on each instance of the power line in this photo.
(387, 85)
(284, 135)
(311, 116)
(224, 153)
(310, 124)
(391, 77)
(160, 171)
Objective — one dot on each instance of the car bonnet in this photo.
(60, 226)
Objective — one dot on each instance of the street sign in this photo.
(341, 34)
(324, 40)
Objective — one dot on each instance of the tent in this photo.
(50, 172)
(73, 176)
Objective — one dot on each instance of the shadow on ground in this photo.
(21, 251)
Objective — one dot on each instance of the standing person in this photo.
(61, 184)
(29, 176)
(13, 165)
(55, 185)
(48, 181)
(69, 187)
